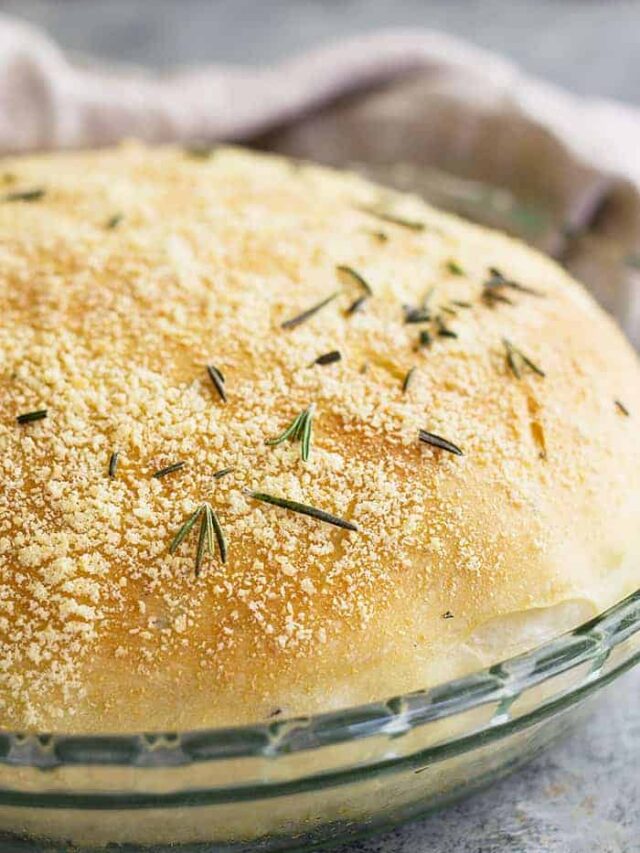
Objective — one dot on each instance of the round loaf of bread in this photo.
(277, 441)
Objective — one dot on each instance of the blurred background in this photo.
(592, 47)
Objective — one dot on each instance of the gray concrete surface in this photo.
(584, 795)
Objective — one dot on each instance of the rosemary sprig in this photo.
(460, 303)
(622, 408)
(516, 359)
(29, 417)
(306, 315)
(447, 615)
(406, 382)
(24, 195)
(210, 529)
(170, 469)
(454, 267)
(300, 429)
(114, 221)
(114, 459)
(492, 287)
(303, 509)
(356, 276)
(438, 441)
(217, 380)
(499, 280)
(328, 358)
(222, 473)
(385, 216)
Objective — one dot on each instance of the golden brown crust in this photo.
(111, 328)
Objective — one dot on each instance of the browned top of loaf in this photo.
(110, 327)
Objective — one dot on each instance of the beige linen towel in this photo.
(416, 109)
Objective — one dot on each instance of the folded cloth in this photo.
(417, 109)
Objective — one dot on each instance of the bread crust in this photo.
(110, 326)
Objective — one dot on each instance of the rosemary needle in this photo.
(328, 358)
(438, 441)
(514, 355)
(384, 216)
(356, 305)
(416, 315)
(219, 534)
(217, 379)
(443, 330)
(29, 417)
(622, 408)
(176, 466)
(113, 463)
(490, 296)
(200, 152)
(357, 277)
(420, 314)
(300, 429)
(114, 221)
(205, 540)
(303, 509)
(424, 339)
(184, 531)
(222, 473)
(408, 379)
(306, 315)
(497, 279)
(493, 287)
(24, 195)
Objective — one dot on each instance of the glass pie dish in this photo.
(310, 782)
(307, 782)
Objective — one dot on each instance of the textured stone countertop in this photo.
(583, 796)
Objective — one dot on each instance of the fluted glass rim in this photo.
(590, 645)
